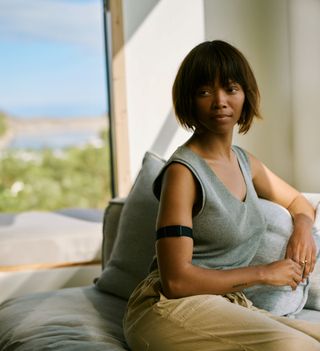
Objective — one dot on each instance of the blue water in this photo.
(53, 140)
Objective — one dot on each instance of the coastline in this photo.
(33, 127)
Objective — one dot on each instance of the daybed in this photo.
(90, 318)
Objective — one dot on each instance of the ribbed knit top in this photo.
(226, 231)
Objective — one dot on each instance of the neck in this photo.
(211, 147)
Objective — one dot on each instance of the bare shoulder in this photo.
(178, 181)
(177, 172)
(255, 164)
(178, 195)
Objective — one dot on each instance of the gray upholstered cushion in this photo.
(278, 300)
(110, 227)
(309, 315)
(313, 301)
(76, 319)
(134, 246)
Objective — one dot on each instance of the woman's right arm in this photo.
(179, 277)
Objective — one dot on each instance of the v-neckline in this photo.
(226, 189)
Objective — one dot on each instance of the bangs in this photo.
(216, 63)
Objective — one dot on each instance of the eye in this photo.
(204, 92)
(233, 88)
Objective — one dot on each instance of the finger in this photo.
(303, 262)
(302, 259)
(298, 276)
(308, 265)
(297, 270)
(297, 273)
(306, 270)
(298, 267)
(297, 257)
(298, 279)
(294, 284)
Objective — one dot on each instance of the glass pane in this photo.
(53, 106)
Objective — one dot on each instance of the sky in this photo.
(52, 61)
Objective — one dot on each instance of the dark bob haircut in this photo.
(208, 63)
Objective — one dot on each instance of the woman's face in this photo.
(218, 108)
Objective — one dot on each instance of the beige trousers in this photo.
(210, 323)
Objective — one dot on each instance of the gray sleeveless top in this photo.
(226, 231)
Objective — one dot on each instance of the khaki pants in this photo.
(210, 323)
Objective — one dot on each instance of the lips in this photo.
(222, 115)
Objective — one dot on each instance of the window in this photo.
(53, 107)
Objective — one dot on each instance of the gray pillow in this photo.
(134, 247)
(277, 300)
(313, 301)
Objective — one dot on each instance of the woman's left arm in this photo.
(301, 246)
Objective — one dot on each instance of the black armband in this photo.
(174, 231)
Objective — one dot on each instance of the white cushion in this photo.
(30, 238)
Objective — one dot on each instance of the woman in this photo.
(209, 225)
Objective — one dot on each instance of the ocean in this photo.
(55, 141)
(53, 133)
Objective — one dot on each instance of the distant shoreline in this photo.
(17, 127)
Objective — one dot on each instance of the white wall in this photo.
(158, 34)
(305, 57)
(281, 41)
(260, 30)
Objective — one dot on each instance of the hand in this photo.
(302, 248)
(283, 272)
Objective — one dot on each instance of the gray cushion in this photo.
(134, 246)
(278, 300)
(110, 226)
(313, 301)
(76, 319)
(309, 315)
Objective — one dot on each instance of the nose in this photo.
(220, 99)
